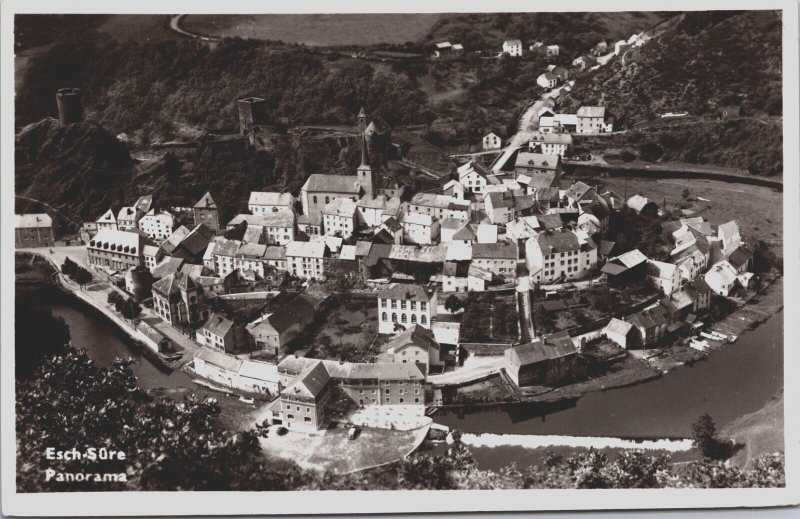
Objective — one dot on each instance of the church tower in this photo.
(362, 120)
(364, 171)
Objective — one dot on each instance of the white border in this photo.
(331, 502)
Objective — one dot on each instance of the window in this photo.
(394, 318)
(402, 305)
(423, 320)
(315, 199)
(290, 417)
(401, 400)
(384, 317)
(423, 305)
(404, 318)
(307, 418)
(387, 391)
(413, 318)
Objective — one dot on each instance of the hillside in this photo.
(703, 62)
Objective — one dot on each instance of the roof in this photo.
(678, 301)
(499, 250)
(439, 201)
(346, 184)
(362, 248)
(477, 272)
(592, 111)
(740, 257)
(174, 240)
(218, 325)
(552, 138)
(310, 382)
(501, 199)
(298, 310)
(512, 42)
(406, 291)
(340, 207)
(724, 270)
(126, 213)
(275, 252)
(418, 219)
(220, 359)
(661, 269)
(535, 352)
(558, 241)
(392, 206)
(144, 203)
(630, 258)
(276, 219)
(699, 284)
(107, 217)
(606, 247)
(127, 242)
(452, 223)
(368, 201)
(32, 220)
(729, 228)
(355, 370)
(577, 190)
(165, 267)
(306, 249)
(422, 254)
(348, 252)
(259, 370)
(618, 326)
(638, 202)
(270, 198)
(206, 202)
(226, 247)
(467, 233)
(252, 250)
(537, 160)
(377, 126)
(415, 335)
(649, 318)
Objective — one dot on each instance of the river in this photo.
(732, 382)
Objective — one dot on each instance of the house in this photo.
(512, 48)
(87, 231)
(454, 276)
(472, 176)
(582, 62)
(730, 111)
(454, 189)
(498, 258)
(491, 141)
(626, 268)
(729, 237)
(117, 250)
(624, 334)
(224, 335)
(560, 255)
(487, 233)
(652, 324)
(591, 120)
(179, 300)
(339, 217)
(548, 79)
(305, 259)
(420, 229)
(552, 50)
(641, 205)
(127, 218)
(107, 221)
(169, 265)
(224, 255)
(170, 245)
(158, 225)
(477, 278)
(550, 143)
(721, 277)
(416, 345)
(278, 226)
(370, 210)
(605, 250)
(258, 377)
(741, 259)
(499, 207)
(700, 292)
(205, 211)
(544, 170)
(557, 123)
(273, 331)
(403, 305)
(691, 262)
(152, 254)
(678, 305)
(33, 230)
(302, 405)
(264, 202)
(390, 231)
(448, 227)
(665, 276)
(439, 206)
(542, 362)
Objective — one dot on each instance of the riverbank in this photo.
(759, 433)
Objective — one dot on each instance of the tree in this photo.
(69, 267)
(83, 276)
(704, 436)
(453, 304)
(113, 297)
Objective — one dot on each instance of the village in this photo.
(360, 303)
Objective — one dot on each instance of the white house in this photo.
(591, 119)
(439, 206)
(157, 225)
(339, 217)
(550, 143)
(370, 210)
(401, 306)
(499, 207)
(548, 80)
(721, 277)
(305, 259)
(263, 202)
(420, 229)
(560, 255)
(477, 278)
(665, 276)
(455, 189)
(107, 221)
(492, 142)
(473, 177)
(512, 47)
(729, 237)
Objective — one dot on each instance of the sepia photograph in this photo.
(397, 251)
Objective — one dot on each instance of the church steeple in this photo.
(362, 120)
(364, 171)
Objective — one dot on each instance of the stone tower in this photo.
(69, 106)
(362, 120)
(364, 171)
(252, 112)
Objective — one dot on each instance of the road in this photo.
(96, 294)
(175, 25)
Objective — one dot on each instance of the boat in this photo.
(732, 338)
(714, 336)
(247, 400)
(699, 345)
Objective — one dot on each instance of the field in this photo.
(316, 30)
(758, 210)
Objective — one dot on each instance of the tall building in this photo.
(205, 211)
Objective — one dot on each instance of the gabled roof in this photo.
(606, 247)
(500, 250)
(275, 252)
(206, 202)
(306, 249)
(630, 259)
(537, 160)
(577, 190)
(650, 318)
(618, 326)
(344, 184)
(271, 198)
(126, 213)
(144, 203)
(500, 199)
(467, 233)
(128, 242)
(174, 240)
(477, 272)
(661, 269)
(218, 325)
(370, 202)
(108, 217)
(592, 111)
(561, 240)
(416, 335)
(344, 207)
(407, 292)
(311, 382)
(740, 257)
(638, 203)
(535, 352)
(197, 240)
(32, 220)
(167, 266)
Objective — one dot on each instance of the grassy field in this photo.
(318, 30)
(761, 432)
(758, 210)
